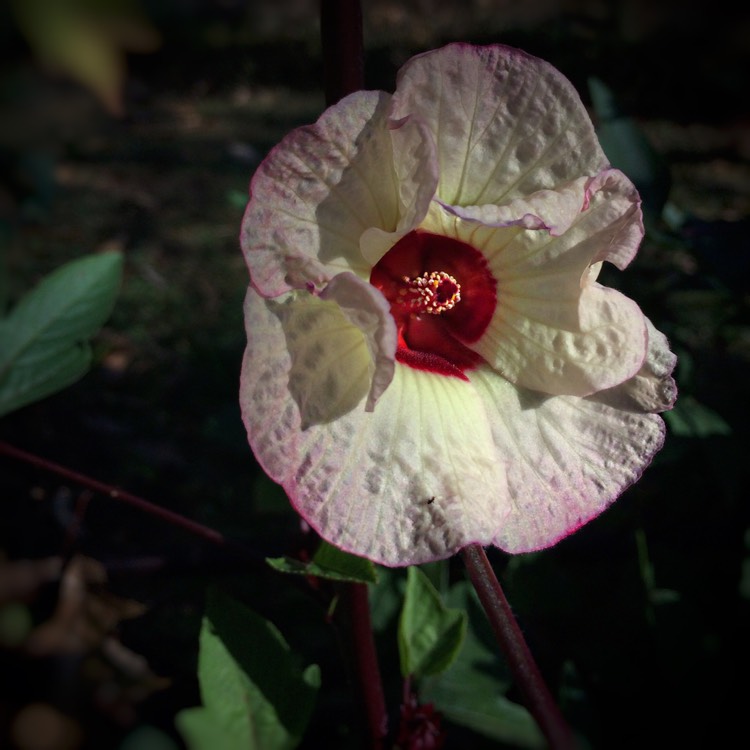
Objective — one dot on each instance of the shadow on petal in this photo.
(528, 399)
(331, 367)
(360, 175)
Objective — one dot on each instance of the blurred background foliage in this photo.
(135, 127)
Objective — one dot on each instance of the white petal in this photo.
(505, 124)
(413, 481)
(367, 309)
(323, 186)
(652, 388)
(415, 164)
(554, 329)
(566, 346)
(566, 458)
(328, 368)
(553, 210)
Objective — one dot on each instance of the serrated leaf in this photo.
(429, 634)
(254, 693)
(331, 563)
(44, 340)
(472, 691)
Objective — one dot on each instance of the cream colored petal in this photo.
(554, 329)
(325, 185)
(414, 480)
(330, 368)
(553, 210)
(415, 164)
(566, 346)
(585, 221)
(566, 458)
(652, 388)
(367, 309)
(506, 124)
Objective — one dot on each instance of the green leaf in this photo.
(331, 563)
(471, 692)
(87, 39)
(255, 695)
(386, 598)
(44, 340)
(628, 149)
(690, 418)
(429, 634)
(237, 198)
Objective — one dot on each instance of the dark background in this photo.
(640, 620)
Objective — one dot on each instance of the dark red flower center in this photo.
(442, 297)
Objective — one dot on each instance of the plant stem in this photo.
(175, 519)
(343, 71)
(538, 698)
(343, 47)
(366, 669)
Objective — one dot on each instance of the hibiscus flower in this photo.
(431, 362)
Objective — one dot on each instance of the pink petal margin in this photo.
(415, 480)
(367, 309)
(505, 123)
(566, 458)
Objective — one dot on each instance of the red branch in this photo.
(536, 694)
(343, 70)
(366, 670)
(175, 519)
(343, 48)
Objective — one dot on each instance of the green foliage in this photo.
(690, 418)
(148, 738)
(471, 692)
(87, 40)
(16, 622)
(44, 339)
(331, 563)
(628, 149)
(386, 597)
(254, 693)
(429, 634)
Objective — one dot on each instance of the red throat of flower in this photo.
(442, 297)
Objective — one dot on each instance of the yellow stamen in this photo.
(433, 292)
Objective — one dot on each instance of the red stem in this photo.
(343, 48)
(343, 70)
(209, 534)
(366, 669)
(538, 698)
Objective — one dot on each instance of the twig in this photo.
(537, 696)
(343, 70)
(343, 47)
(169, 516)
(366, 669)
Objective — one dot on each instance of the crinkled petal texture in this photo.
(505, 124)
(555, 329)
(413, 481)
(441, 462)
(566, 458)
(327, 187)
(552, 410)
